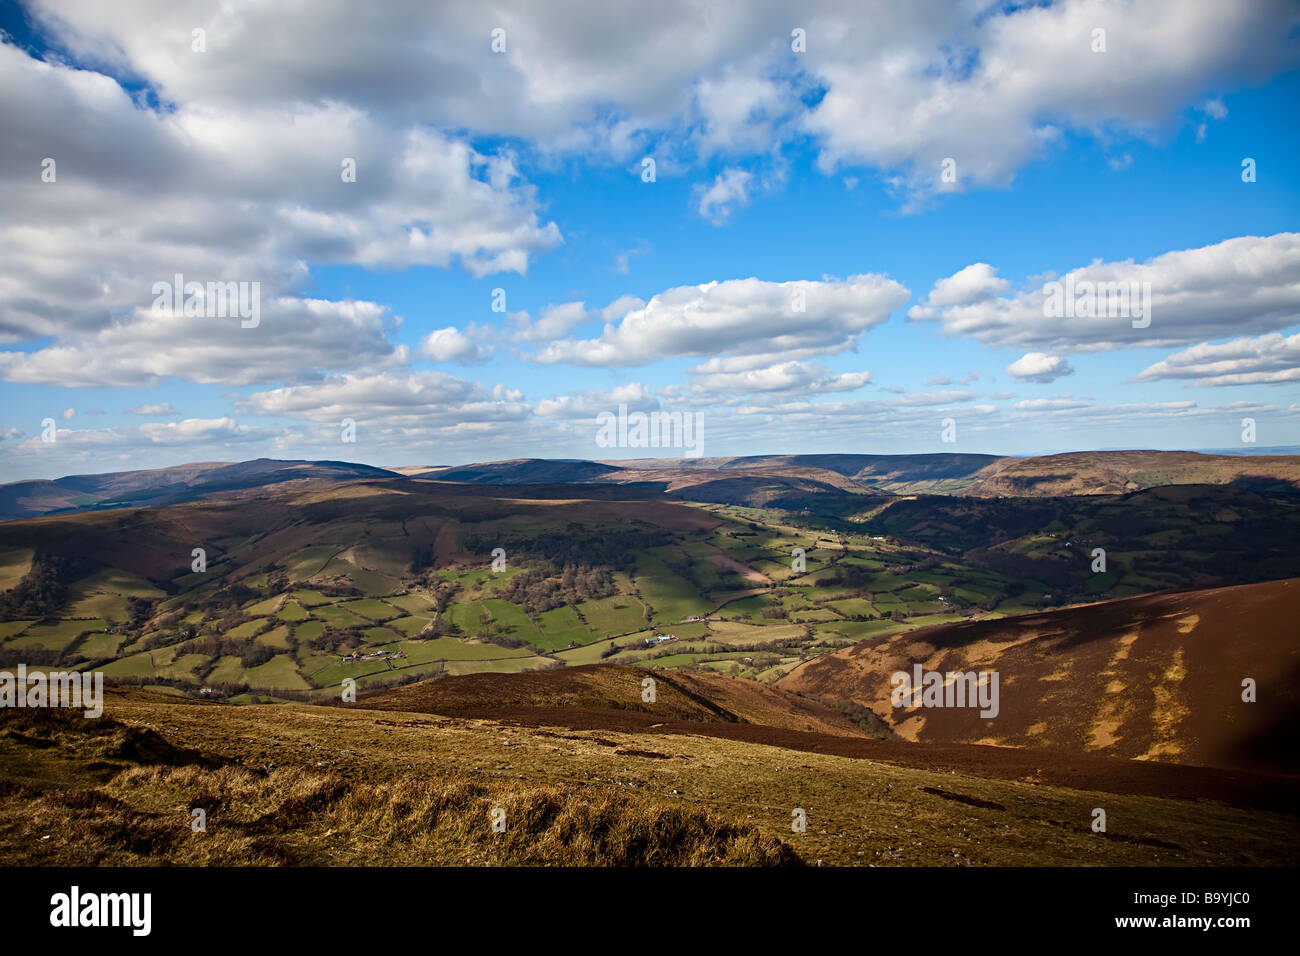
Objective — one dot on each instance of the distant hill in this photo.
(789, 482)
(1117, 472)
(1156, 677)
(524, 471)
(165, 486)
(894, 474)
(758, 479)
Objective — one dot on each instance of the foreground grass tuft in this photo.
(294, 816)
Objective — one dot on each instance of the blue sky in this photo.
(522, 171)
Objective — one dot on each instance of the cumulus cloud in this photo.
(740, 317)
(1006, 84)
(1039, 367)
(392, 398)
(1245, 284)
(1264, 360)
(452, 345)
(621, 307)
(296, 340)
(195, 430)
(804, 377)
(154, 409)
(975, 282)
(900, 86)
(553, 322)
(591, 402)
(216, 191)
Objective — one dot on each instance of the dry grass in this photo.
(296, 816)
(309, 785)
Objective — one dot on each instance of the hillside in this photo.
(524, 471)
(736, 479)
(943, 473)
(299, 784)
(164, 486)
(609, 695)
(1157, 677)
(308, 583)
(1116, 472)
(790, 482)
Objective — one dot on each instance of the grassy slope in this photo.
(361, 786)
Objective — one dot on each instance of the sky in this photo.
(466, 231)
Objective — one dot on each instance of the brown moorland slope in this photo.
(1116, 472)
(1157, 677)
(608, 694)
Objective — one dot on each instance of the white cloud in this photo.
(429, 399)
(904, 84)
(1266, 359)
(591, 402)
(948, 397)
(1038, 367)
(1246, 284)
(747, 317)
(803, 377)
(1049, 404)
(195, 430)
(157, 408)
(621, 307)
(998, 89)
(974, 283)
(729, 191)
(296, 340)
(554, 322)
(452, 345)
(217, 191)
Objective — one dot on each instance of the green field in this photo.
(278, 673)
(54, 637)
(560, 627)
(308, 630)
(336, 616)
(609, 616)
(410, 626)
(292, 612)
(370, 609)
(671, 598)
(248, 628)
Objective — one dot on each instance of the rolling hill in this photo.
(612, 695)
(165, 486)
(738, 480)
(1157, 677)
